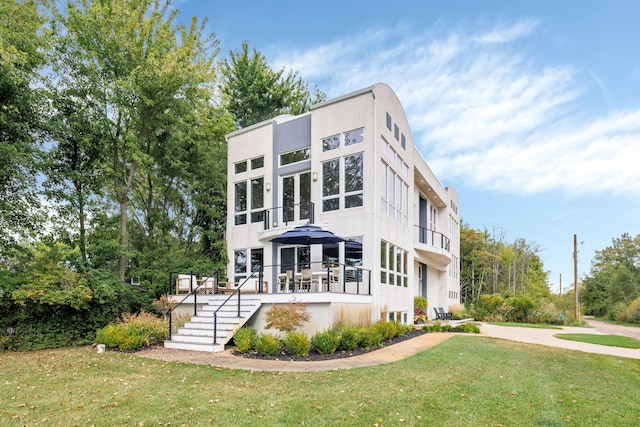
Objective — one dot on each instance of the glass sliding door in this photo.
(296, 197)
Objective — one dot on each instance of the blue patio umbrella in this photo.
(308, 234)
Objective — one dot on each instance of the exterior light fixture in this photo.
(315, 176)
(268, 186)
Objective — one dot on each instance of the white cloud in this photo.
(483, 109)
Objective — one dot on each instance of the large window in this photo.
(240, 203)
(347, 181)
(295, 258)
(353, 181)
(393, 265)
(256, 197)
(242, 268)
(394, 195)
(239, 265)
(331, 185)
(296, 197)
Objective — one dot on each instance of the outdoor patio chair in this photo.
(442, 315)
(306, 279)
(207, 285)
(185, 283)
(335, 285)
(286, 284)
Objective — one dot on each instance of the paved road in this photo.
(547, 337)
(613, 329)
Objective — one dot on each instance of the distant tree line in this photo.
(113, 118)
(491, 265)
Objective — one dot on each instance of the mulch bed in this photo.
(314, 356)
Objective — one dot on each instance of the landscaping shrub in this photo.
(401, 330)
(419, 309)
(387, 330)
(120, 336)
(523, 308)
(297, 343)
(420, 302)
(468, 327)
(547, 313)
(631, 314)
(368, 337)
(326, 342)
(269, 345)
(133, 331)
(245, 339)
(349, 337)
(287, 317)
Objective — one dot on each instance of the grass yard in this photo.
(610, 340)
(466, 381)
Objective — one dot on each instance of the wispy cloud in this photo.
(485, 110)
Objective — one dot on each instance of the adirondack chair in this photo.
(441, 314)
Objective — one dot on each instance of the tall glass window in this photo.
(331, 185)
(239, 265)
(257, 199)
(240, 203)
(353, 181)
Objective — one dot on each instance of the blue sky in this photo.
(529, 109)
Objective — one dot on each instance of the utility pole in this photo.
(575, 274)
(560, 284)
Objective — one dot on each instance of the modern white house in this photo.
(349, 166)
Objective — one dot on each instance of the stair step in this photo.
(224, 314)
(212, 348)
(231, 308)
(198, 339)
(206, 331)
(209, 325)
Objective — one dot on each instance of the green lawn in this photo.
(466, 381)
(526, 325)
(610, 340)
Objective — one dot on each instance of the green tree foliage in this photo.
(253, 91)
(614, 279)
(491, 266)
(46, 302)
(146, 77)
(21, 56)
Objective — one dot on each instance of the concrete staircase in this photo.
(197, 334)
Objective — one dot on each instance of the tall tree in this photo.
(252, 91)
(72, 165)
(147, 76)
(614, 278)
(21, 56)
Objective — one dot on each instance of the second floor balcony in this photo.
(433, 246)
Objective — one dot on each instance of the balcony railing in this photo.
(281, 216)
(307, 277)
(433, 238)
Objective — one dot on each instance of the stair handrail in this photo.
(193, 292)
(236, 291)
